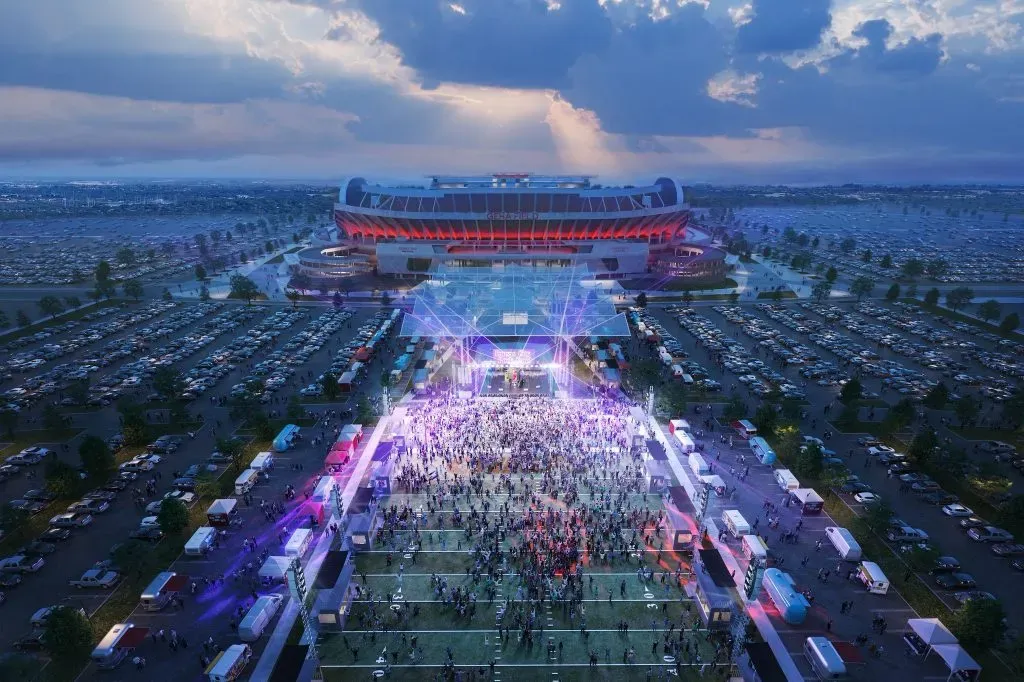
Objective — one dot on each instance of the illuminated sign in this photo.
(513, 215)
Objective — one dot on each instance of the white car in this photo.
(957, 510)
(149, 522)
(867, 498)
(181, 496)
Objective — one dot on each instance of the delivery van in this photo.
(842, 540)
(735, 523)
(246, 481)
(754, 549)
(229, 664)
(298, 543)
(259, 616)
(871, 575)
(263, 461)
(697, 464)
(824, 659)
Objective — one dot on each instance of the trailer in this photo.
(201, 541)
(229, 664)
(744, 428)
(298, 543)
(809, 501)
(222, 512)
(764, 453)
(286, 438)
(735, 523)
(844, 542)
(792, 605)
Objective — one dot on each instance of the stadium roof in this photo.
(514, 302)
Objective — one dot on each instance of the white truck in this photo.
(96, 578)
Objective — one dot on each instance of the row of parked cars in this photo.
(673, 348)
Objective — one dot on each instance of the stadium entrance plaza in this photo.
(519, 543)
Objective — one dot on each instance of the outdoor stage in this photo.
(533, 382)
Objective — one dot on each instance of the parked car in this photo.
(955, 581)
(945, 564)
(151, 534)
(969, 595)
(40, 495)
(973, 522)
(55, 535)
(989, 534)
(867, 498)
(1005, 549)
(957, 510)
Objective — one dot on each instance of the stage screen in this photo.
(515, 318)
(520, 357)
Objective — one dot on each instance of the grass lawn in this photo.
(982, 433)
(24, 439)
(946, 312)
(279, 258)
(772, 294)
(78, 314)
(678, 284)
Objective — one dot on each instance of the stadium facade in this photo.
(511, 219)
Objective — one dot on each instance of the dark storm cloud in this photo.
(504, 43)
(918, 56)
(784, 26)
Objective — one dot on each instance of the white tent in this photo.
(931, 630)
(275, 567)
(958, 660)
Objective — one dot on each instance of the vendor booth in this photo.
(678, 425)
(339, 455)
(715, 483)
(735, 523)
(685, 441)
(698, 465)
(298, 543)
(274, 569)
(711, 590)
(924, 633)
(764, 453)
(792, 605)
(658, 476)
(222, 512)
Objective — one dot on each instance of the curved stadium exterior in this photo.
(512, 218)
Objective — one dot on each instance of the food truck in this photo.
(274, 569)
(843, 541)
(298, 543)
(824, 659)
(339, 455)
(259, 615)
(229, 664)
(347, 382)
(744, 428)
(685, 441)
(262, 462)
(354, 429)
(735, 523)
(764, 453)
(159, 592)
(755, 549)
(222, 512)
(792, 605)
(678, 425)
(117, 644)
(871, 575)
(786, 480)
(201, 541)
(246, 481)
(809, 501)
(286, 438)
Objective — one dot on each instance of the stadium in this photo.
(512, 219)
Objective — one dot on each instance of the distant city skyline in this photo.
(802, 92)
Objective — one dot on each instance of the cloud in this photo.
(918, 56)
(729, 86)
(784, 26)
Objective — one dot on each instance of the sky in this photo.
(721, 91)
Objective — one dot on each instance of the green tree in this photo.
(641, 300)
(261, 425)
(102, 272)
(51, 305)
(809, 461)
(1010, 514)
(734, 296)
(777, 295)
(72, 301)
(791, 409)
(365, 413)
(821, 291)
(990, 310)
(866, 256)
(78, 390)
(900, 415)
(53, 419)
(200, 240)
(12, 520)
(886, 261)
(233, 448)
(959, 297)
(168, 382)
(300, 281)
(931, 299)
(687, 297)
(862, 286)
(922, 447)
(848, 245)
(1009, 323)
(68, 637)
(912, 291)
(172, 517)
(133, 288)
(936, 268)
(200, 272)
(97, 459)
(125, 256)
(244, 288)
(815, 242)
(61, 478)
(893, 293)
(166, 295)
(852, 391)
(295, 410)
(966, 409)
(766, 419)
(15, 666)
(937, 397)
(672, 398)
(336, 300)
(22, 319)
(848, 418)
(736, 408)
(385, 299)
(9, 421)
(329, 384)
(204, 293)
(5, 321)
(913, 268)
(978, 624)
(133, 423)
(293, 296)
(832, 275)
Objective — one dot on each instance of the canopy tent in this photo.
(932, 631)
(514, 301)
(958, 660)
